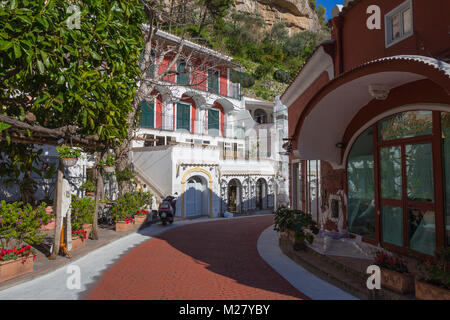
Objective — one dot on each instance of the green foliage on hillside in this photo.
(270, 57)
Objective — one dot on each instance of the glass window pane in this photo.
(419, 172)
(360, 179)
(396, 26)
(183, 117)
(445, 119)
(421, 231)
(183, 73)
(407, 21)
(213, 122)
(213, 81)
(406, 125)
(391, 173)
(392, 225)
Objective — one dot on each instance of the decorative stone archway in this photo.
(183, 188)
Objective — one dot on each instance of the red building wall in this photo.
(431, 23)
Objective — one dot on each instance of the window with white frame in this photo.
(399, 23)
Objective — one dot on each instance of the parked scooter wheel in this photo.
(164, 222)
(171, 221)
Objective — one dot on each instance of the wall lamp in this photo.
(340, 145)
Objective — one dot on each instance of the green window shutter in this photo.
(152, 67)
(183, 116)
(183, 73)
(213, 81)
(147, 114)
(213, 122)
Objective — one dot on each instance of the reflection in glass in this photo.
(421, 231)
(396, 26)
(407, 21)
(445, 116)
(392, 225)
(391, 173)
(360, 174)
(406, 125)
(419, 172)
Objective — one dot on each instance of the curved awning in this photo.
(323, 122)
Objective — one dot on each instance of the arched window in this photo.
(361, 189)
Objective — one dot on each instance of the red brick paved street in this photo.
(206, 260)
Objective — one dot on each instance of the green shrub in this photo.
(263, 70)
(89, 186)
(109, 162)
(82, 212)
(439, 273)
(282, 76)
(21, 223)
(67, 152)
(298, 221)
(128, 204)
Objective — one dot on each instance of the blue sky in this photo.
(329, 4)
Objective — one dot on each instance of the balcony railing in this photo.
(167, 122)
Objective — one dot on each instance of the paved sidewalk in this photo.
(299, 277)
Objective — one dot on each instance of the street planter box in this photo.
(77, 243)
(122, 226)
(88, 229)
(427, 291)
(14, 268)
(399, 282)
(51, 224)
(139, 220)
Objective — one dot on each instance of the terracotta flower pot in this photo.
(428, 291)
(396, 281)
(69, 162)
(88, 228)
(139, 220)
(109, 169)
(14, 268)
(122, 226)
(49, 226)
(77, 243)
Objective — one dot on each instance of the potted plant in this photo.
(68, 155)
(141, 216)
(434, 284)
(78, 239)
(82, 215)
(89, 187)
(19, 228)
(123, 210)
(298, 226)
(108, 164)
(394, 273)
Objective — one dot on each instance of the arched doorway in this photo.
(196, 197)
(234, 196)
(261, 194)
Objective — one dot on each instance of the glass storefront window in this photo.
(421, 231)
(360, 173)
(391, 173)
(419, 172)
(406, 125)
(445, 123)
(392, 225)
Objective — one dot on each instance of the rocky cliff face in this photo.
(296, 14)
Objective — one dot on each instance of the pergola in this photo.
(30, 133)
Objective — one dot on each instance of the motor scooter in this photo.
(166, 210)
